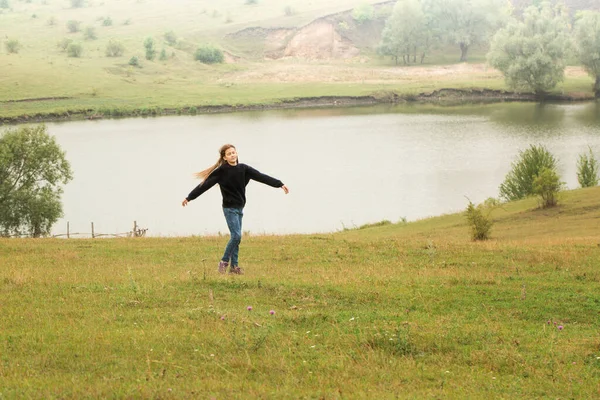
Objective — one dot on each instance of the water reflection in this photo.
(344, 166)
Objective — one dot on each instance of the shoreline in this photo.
(447, 96)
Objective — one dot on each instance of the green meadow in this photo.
(42, 81)
(389, 310)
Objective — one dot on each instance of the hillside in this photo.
(412, 310)
(275, 52)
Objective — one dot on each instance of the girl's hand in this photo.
(184, 202)
(285, 189)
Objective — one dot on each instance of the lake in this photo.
(344, 166)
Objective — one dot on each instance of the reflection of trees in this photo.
(589, 114)
(538, 114)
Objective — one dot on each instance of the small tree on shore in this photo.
(33, 169)
(547, 185)
(519, 182)
(479, 220)
(587, 169)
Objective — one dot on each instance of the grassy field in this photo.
(411, 310)
(42, 80)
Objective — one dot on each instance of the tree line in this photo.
(530, 50)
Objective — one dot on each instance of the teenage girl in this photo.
(232, 178)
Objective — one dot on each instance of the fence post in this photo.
(134, 228)
(68, 231)
(92, 230)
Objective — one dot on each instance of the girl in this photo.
(232, 178)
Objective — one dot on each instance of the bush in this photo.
(77, 3)
(52, 21)
(209, 55)
(63, 44)
(363, 13)
(547, 185)
(114, 49)
(74, 50)
(90, 33)
(134, 61)
(250, 2)
(289, 11)
(163, 55)
(4, 4)
(171, 38)
(150, 51)
(587, 169)
(74, 26)
(12, 46)
(107, 21)
(479, 223)
(518, 183)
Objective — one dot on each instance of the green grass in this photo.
(410, 310)
(95, 83)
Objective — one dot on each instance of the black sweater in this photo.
(232, 180)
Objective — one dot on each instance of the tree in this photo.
(587, 39)
(405, 32)
(77, 3)
(470, 22)
(90, 33)
(518, 183)
(74, 50)
(531, 54)
(587, 169)
(4, 4)
(150, 51)
(547, 185)
(363, 13)
(32, 170)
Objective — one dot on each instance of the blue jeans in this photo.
(233, 216)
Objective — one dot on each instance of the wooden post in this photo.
(92, 230)
(134, 228)
(68, 236)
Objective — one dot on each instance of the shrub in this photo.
(547, 185)
(518, 183)
(363, 13)
(12, 46)
(587, 169)
(73, 26)
(134, 61)
(209, 55)
(90, 33)
(250, 2)
(114, 49)
(163, 55)
(4, 4)
(52, 21)
(171, 38)
(74, 50)
(479, 223)
(289, 11)
(77, 3)
(107, 21)
(150, 51)
(63, 44)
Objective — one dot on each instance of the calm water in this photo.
(344, 167)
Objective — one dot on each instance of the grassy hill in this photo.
(41, 79)
(411, 310)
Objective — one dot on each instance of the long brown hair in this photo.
(202, 175)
